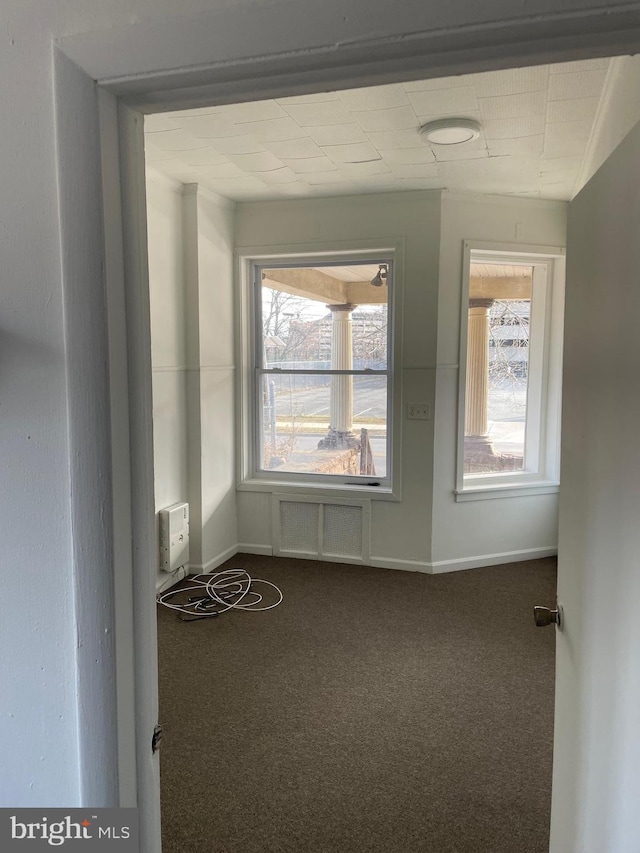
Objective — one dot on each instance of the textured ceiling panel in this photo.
(535, 127)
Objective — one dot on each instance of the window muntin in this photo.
(510, 385)
(323, 371)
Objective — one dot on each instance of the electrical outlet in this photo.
(419, 411)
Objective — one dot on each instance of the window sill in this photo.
(380, 493)
(487, 491)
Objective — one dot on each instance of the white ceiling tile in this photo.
(337, 134)
(407, 156)
(242, 144)
(555, 178)
(252, 111)
(223, 170)
(203, 157)
(238, 188)
(210, 126)
(362, 170)
(578, 84)
(375, 98)
(576, 109)
(523, 146)
(378, 182)
(199, 111)
(562, 146)
(300, 188)
(499, 169)
(297, 190)
(333, 177)
(310, 165)
(272, 130)
(290, 149)
(416, 170)
(441, 101)
(318, 98)
(513, 106)
(468, 114)
(559, 164)
(512, 81)
(319, 114)
(400, 184)
(579, 65)
(444, 153)
(367, 140)
(558, 192)
(361, 152)
(159, 121)
(385, 139)
(577, 130)
(513, 128)
(153, 154)
(397, 118)
(265, 161)
(285, 175)
(437, 83)
(178, 169)
(177, 140)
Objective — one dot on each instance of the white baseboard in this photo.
(245, 548)
(401, 565)
(491, 560)
(170, 579)
(462, 563)
(214, 562)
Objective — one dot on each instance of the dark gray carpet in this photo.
(374, 710)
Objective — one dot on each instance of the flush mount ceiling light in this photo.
(450, 131)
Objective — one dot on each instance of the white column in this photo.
(476, 421)
(341, 405)
(341, 399)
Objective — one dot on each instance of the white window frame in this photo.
(542, 428)
(248, 411)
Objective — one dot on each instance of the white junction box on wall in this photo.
(174, 537)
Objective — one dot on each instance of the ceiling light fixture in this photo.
(450, 131)
(380, 277)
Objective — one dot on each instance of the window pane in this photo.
(497, 368)
(310, 313)
(319, 424)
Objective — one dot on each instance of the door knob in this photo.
(544, 616)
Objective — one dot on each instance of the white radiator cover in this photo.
(326, 528)
(174, 537)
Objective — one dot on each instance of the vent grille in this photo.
(342, 531)
(333, 530)
(299, 527)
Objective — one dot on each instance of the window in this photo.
(322, 371)
(510, 373)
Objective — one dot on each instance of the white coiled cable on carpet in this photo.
(218, 592)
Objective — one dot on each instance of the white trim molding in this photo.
(462, 563)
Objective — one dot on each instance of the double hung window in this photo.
(322, 372)
(510, 381)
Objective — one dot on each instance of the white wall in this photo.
(475, 529)
(400, 531)
(427, 529)
(190, 241)
(40, 732)
(211, 379)
(596, 784)
(166, 247)
(618, 112)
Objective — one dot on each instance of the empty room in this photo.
(356, 307)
